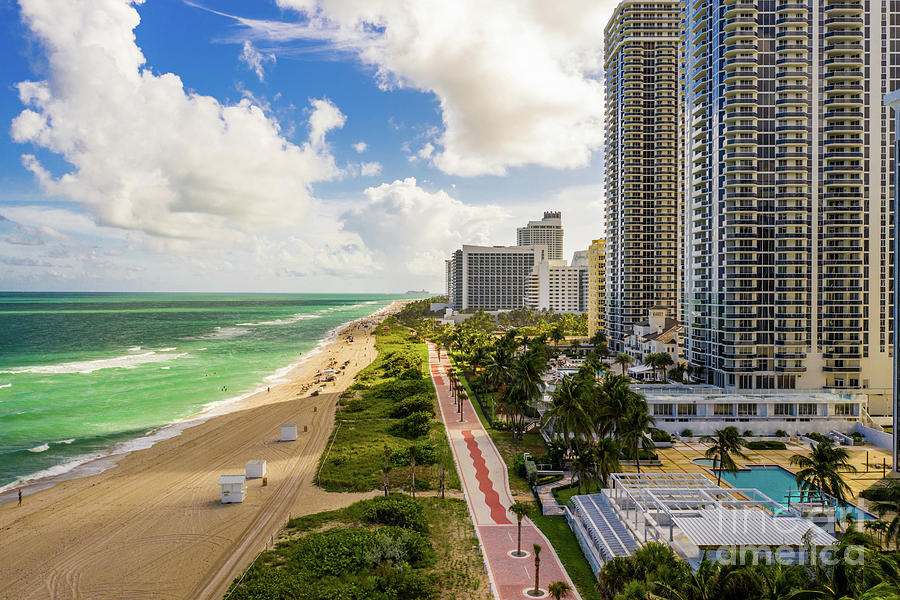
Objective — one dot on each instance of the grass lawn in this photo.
(366, 424)
(566, 545)
(555, 528)
(351, 553)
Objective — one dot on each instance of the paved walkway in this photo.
(484, 478)
(549, 505)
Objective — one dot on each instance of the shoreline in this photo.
(153, 526)
(88, 465)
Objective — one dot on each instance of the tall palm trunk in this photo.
(412, 473)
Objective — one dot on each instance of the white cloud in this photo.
(360, 147)
(411, 230)
(369, 169)
(517, 80)
(254, 59)
(147, 155)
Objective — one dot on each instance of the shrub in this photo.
(530, 471)
(413, 404)
(817, 437)
(687, 433)
(411, 373)
(858, 438)
(781, 433)
(397, 390)
(658, 435)
(426, 454)
(519, 465)
(748, 433)
(766, 445)
(414, 425)
(398, 510)
(395, 363)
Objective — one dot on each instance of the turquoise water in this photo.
(775, 482)
(81, 374)
(704, 462)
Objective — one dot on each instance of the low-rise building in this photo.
(657, 334)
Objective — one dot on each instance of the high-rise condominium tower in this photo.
(788, 243)
(644, 158)
(596, 287)
(546, 232)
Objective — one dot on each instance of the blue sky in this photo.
(297, 145)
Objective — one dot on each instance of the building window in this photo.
(687, 410)
(723, 410)
(784, 409)
(807, 409)
(662, 410)
(747, 409)
(844, 409)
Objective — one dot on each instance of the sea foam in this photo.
(296, 318)
(127, 361)
(41, 448)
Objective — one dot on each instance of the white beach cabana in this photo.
(288, 432)
(256, 469)
(233, 487)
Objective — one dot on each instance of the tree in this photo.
(537, 570)
(557, 334)
(888, 502)
(568, 415)
(615, 397)
(521, 510)
(820, 471)
(663, 360)
(624, 360)
(725, 442)
(413, 452)
(584, 464)
(559, 590)
(635, 430)
(607, 457)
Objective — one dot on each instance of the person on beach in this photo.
(20, 496)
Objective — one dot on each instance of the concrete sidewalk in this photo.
(486, 487)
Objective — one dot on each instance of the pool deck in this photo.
(677, 459)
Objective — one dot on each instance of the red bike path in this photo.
(486, 487)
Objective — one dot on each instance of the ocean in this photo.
(84, 376)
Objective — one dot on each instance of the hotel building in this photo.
(555, 286)
(596, 307)
(491, 277)
(644, 163)
(787, 192)
(546, 232)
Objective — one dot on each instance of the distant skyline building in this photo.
(596, 273)
(557, 287)
(547, 232)
(788, 191)
(893, 100)
(644, 164)
(491, 277)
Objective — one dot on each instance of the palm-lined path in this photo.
(486, 487)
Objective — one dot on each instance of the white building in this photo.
(704, 410)
(233, 488)
(491, 277)
(554, 286)
(657, 334)
(546, 232)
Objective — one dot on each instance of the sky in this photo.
(290, 145)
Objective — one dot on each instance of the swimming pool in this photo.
(704, 462)
(775, 482)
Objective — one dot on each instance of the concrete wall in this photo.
(759, 426)
(875, 437)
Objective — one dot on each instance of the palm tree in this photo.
(584, 464)
(624, 360)
(559, 590)
(635, 430)
(820, 471)
(568, 414)
(663, 360)
(725, 442)
(607, 456)
(521, 510)
(557, 334)
(889, 502)
(615, 398)
(525, 388)
(537, 570)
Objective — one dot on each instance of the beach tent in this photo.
(234, 488)
(256, 469)
(288, 433)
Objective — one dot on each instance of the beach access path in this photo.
(154, 526)
(485, 484)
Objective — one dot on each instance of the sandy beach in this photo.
(153, 526)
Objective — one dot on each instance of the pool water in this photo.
(775, 482)
(704, 462)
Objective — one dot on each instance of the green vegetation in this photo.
(821, 470)
(724, 443)
(766, 445)
(388, 414)
(858, 571)
(564, 542)
(384, 548)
